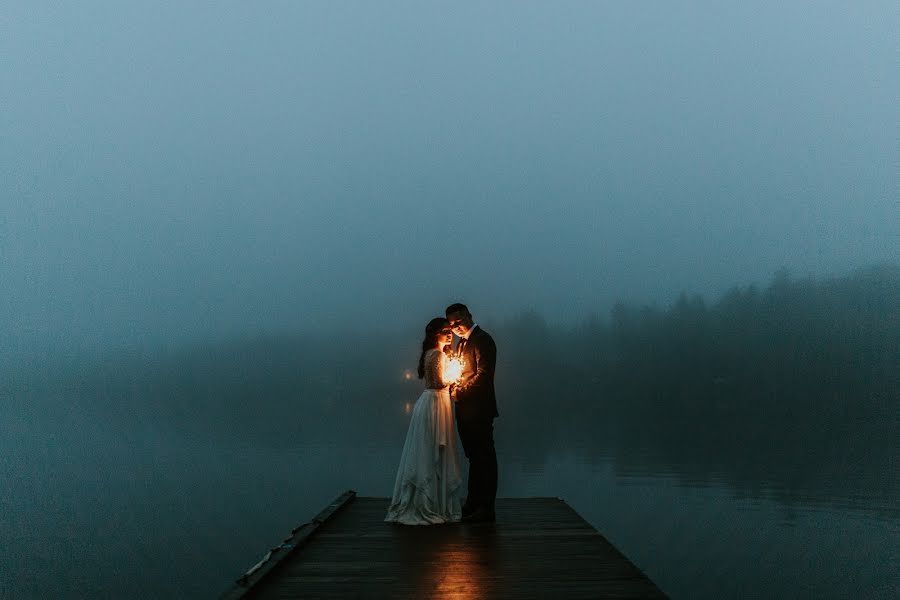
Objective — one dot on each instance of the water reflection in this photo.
(690, 504)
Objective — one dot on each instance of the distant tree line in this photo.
(797, 346)
(795, 383)
(790, 388)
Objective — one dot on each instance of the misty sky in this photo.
(183, 169)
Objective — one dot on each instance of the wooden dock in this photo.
(538, 548)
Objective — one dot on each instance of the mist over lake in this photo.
(224, 226)
(175, 468)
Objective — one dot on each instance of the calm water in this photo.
(89, 509)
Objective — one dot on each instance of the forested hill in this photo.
(796, 348)
(804, 345)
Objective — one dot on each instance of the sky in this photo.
(192, 170)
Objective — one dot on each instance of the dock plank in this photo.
(538, 548)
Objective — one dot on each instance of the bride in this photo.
(426, 491)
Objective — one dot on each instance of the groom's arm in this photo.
(485, 361)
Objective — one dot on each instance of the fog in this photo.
(223, 226)
(181, 172)
(697, 438)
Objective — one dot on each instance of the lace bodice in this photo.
(435, 363)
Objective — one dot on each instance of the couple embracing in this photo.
(428, 487)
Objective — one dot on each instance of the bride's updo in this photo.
(432, 331)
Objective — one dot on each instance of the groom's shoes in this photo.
(482, 514)
(468, 509)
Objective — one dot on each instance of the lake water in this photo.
(90, 509)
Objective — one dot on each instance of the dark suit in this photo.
(476, 408)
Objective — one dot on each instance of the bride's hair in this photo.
(432, 330)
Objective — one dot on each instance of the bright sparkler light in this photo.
(454, 370)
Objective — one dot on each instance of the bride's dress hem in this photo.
(416, 506)
(429, 479)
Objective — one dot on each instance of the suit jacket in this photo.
(475, 398)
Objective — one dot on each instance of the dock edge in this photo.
(299, 536)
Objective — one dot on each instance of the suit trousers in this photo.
(477, 437)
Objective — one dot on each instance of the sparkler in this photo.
(453, 372)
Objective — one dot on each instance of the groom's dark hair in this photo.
(457, 308)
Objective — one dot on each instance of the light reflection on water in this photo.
(88, 510)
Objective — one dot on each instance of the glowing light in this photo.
(407, 375)
(471, 576)
(454, 370)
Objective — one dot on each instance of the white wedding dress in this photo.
(428, 484)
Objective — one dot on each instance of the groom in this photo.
(476, 408)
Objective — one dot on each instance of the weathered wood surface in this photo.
(538, 548)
